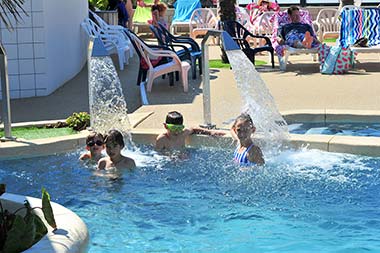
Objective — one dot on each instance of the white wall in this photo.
(65, 46)
(47, 48)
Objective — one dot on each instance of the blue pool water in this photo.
(301, 201)
(352, 129)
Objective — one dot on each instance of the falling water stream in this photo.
(257, 100)
(108, 107)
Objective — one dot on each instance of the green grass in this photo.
(329, 40)
(30, 133)
(218, 64)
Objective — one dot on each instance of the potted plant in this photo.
(21, 229)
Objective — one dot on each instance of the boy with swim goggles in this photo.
(176, 133)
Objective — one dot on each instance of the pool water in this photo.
(352, 129)
(300, 201)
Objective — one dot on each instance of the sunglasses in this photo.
(175, 128)
(92, 143)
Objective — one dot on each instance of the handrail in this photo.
(228, 44)
(6, 106)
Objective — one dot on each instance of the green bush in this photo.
(100, 4)
(78, 121)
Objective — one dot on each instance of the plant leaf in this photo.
(20, 237)
(41, 229)
(2, 189)
(47, 209)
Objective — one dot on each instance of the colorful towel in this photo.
(358, 23)
(184, 9)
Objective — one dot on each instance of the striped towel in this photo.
(358, 23)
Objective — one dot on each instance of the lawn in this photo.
(30, 133)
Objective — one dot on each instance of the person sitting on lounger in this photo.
(296, 34)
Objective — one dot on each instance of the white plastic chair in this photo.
(263, 26)
(327, 23)
(112, 43)
(244, 19)
(183, 10)
(201, 21)
(153, 72)
(113, 29)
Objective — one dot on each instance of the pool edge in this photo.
(369, 146)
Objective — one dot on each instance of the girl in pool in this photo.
(246, 153)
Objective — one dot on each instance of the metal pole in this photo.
(206, 79)
(89, 53)
(6, 105)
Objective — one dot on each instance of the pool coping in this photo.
(369, 146)
(71, 235)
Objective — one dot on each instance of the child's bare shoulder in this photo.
(129, 163)
(102, 163)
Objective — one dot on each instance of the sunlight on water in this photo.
(258, 101)
(108, 107)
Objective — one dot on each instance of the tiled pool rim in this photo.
(369, 146)
(71, 235)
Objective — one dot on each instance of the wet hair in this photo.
(244, 117)
(94, 135)
(114, 136)
(174, 118)
(292, 8)
(161, 7)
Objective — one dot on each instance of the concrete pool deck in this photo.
(301, 87)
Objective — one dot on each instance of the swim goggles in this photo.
(175, 128)
(92, 143)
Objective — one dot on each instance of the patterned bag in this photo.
(335, 60)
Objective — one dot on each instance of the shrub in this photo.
(78, 121)
(100, 4)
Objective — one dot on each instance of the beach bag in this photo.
(335, 60)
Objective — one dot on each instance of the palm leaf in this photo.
(11, 9)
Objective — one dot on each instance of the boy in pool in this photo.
(114, 144)
(176, 133)
(94, 146)
(246, 153)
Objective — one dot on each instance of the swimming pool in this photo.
(301, 201)
(350, 129)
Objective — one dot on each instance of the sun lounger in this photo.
(283, 51)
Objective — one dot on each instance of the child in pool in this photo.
(94, 146)
(176, 133)
(246, 153)
(114, 144)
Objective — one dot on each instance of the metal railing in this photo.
(6, 105)
(228, 44)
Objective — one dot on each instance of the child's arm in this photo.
(205, 131)
(102, 164)
(255, 155)
(233, 134)
(160, 143)
(85, 156)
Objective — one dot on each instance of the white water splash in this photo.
(108, 108)
(258, 102)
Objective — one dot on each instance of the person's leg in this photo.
(307, 40)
